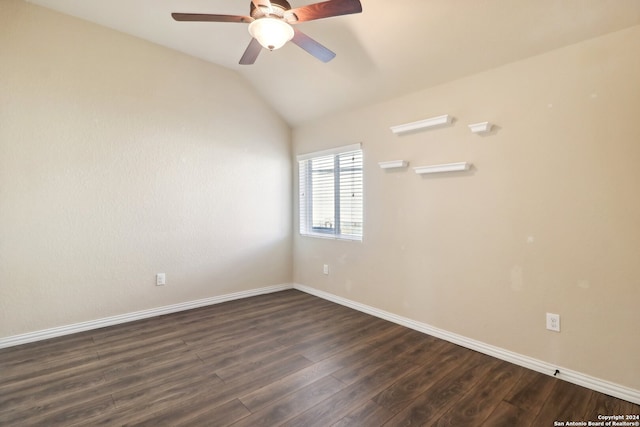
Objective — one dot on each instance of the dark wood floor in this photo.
(280, 359)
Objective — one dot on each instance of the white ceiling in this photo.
(392, 48)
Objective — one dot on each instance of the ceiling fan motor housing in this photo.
(278, 7)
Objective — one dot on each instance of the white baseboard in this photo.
(571, 376)
(137, 315)
(568, 375)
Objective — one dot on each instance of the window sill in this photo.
(332, 237)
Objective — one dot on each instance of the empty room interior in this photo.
(438, 226)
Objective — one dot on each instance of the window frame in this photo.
(305, 195)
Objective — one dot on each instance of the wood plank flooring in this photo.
(281, 359)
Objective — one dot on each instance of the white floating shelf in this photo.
(483, 127)
(448, 167)
(422, 124)
(394, 164)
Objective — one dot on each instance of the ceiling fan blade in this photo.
(325, 9)
(312, 46)
(251, 53)
(205, 17)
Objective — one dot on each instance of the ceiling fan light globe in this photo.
(272, 33)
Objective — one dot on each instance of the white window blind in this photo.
(331, 193)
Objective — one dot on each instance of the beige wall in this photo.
(120, 159)
(546, 221)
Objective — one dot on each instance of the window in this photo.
(331, 198)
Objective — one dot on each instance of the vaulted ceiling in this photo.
(392, 48)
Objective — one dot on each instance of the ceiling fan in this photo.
(270, 24)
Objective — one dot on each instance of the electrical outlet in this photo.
(553, 322)
(325, 269)
(161, 279)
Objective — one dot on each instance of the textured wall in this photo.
(120, 159)
(546, 221)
